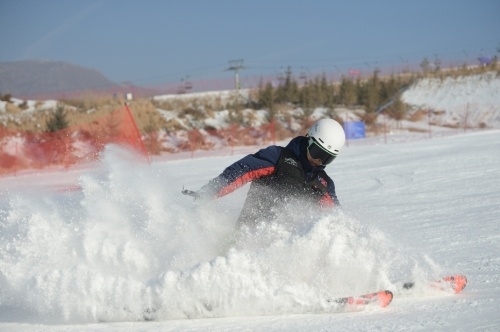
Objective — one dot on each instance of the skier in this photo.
(280, 175)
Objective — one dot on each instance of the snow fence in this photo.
(20, 150)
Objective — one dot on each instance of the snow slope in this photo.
(472, 101)
(95, 259)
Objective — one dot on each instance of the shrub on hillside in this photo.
(57, 121)
(6, 97)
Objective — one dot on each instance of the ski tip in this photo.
(457, 282)
(385, 298)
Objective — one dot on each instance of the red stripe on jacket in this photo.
(247, 177)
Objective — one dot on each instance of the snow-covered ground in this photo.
(464, 101)
(95, 259)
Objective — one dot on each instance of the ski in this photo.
(455, 283)
(381, 298)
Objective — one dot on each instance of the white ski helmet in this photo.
(329, 136)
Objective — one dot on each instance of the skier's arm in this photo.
(247, 169)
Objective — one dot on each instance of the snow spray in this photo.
(129, 247)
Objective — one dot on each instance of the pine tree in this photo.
(425, 65)
(397, 110)
(347, 93)
(57, 121)
(287, 91)
(267, 99)
(307, 100)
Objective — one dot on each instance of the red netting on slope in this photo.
(76, 144)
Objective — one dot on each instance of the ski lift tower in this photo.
(236, 65)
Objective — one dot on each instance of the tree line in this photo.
(372, 94)
(351, 92)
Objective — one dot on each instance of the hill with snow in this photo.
(471, 100)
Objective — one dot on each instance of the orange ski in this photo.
(456, 283)
(382, 298)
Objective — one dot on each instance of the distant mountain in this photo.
(53, 79)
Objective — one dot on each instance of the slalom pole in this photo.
(385, 129)
(429, 121)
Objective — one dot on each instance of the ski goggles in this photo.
(316, 151)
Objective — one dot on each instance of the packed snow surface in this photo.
(127, 246)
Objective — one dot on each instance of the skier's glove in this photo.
(190, 193)
(202, 196)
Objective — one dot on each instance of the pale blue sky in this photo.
(149, 42)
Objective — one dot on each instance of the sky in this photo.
(150, 42)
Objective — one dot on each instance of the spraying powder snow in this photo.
(129, 247)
